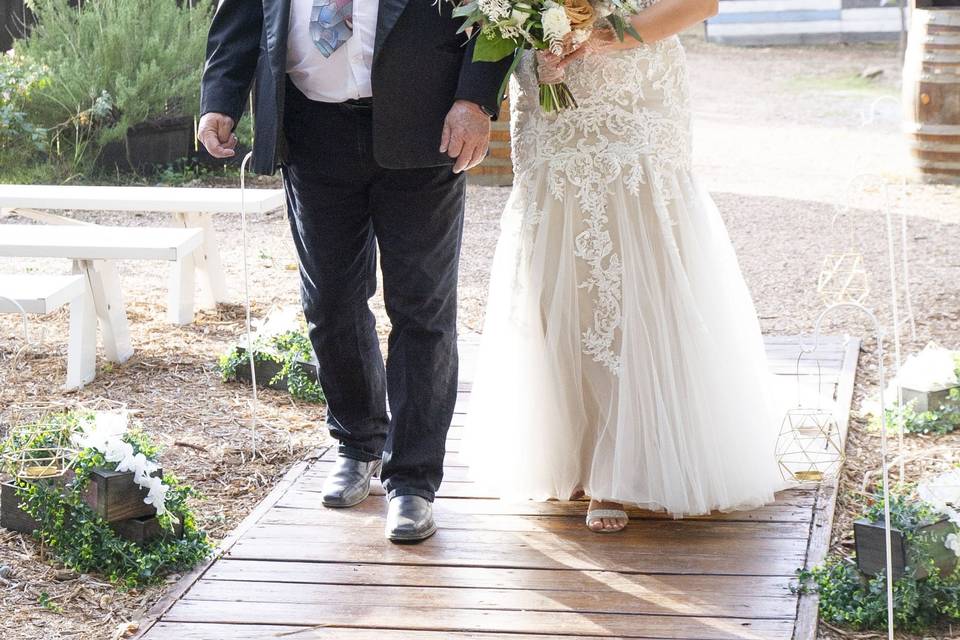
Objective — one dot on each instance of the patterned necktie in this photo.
(331, 24)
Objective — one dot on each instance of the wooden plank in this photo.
(497, 578)
(167, 199)
(808, 604)
(642, 537)
(640, 600)
(39, 294)
(499, 570)
(529, 622)
(791, 506)
(697, 534)
(822, 521)
(180, 587)
(98, 242)
(450, 519)
(539, 553)
(207, 631)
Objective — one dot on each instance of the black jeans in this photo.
(342, 206)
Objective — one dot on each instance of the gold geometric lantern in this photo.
(41, 449)
(843, 278)
(809, 448)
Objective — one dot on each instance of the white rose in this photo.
(139, 465)
(555, 22)
(518, 17)
(953, 543)
(111, 423)
(117, 450)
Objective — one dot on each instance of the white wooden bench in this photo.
(41, 294)
(93, 247)
(190, 208)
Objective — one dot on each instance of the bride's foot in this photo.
(606, 517)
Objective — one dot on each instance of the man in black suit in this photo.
(373, 109)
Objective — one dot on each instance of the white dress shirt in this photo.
(345, 75)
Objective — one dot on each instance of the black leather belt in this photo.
(359, 102)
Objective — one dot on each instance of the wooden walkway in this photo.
(499, 571)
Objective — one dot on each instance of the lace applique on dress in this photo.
(612, 136)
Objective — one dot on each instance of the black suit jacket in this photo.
(421, 66)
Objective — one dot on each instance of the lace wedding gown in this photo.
(621, 351)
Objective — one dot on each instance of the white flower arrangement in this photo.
(556, 25)
(496, 10)
(104, 432)
(943, 493)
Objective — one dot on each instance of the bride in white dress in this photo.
(621, 357)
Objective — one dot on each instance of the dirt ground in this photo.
(779, 134)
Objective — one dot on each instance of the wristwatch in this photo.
(486, 110)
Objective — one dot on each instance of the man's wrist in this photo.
(477, 107)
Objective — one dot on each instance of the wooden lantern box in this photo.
(144, 529)
(928, 399)
(115, 496)
(871, 548)
(14, 518)
(267, 370)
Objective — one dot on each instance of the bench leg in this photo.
(180, 303)
(108, 302)
(82, 345)
(212, 281)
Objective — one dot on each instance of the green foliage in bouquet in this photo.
(850, 599)
(111, 64)
(86, 543)
(288, 350)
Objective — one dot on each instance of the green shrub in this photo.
(850, 599)
(111, 64)
(85, 542)
(286, 349)
(19, 137)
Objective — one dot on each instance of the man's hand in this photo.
(466, 135)
(215, 132)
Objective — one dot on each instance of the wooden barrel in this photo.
(931, 94)
(497, 168)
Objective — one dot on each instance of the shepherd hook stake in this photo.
(883, 441)
(246, 305)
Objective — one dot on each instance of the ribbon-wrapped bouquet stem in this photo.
(555, 26)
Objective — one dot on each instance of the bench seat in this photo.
(43, 294)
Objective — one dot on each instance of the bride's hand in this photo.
(601, 40)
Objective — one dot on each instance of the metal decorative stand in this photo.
(878, 330)
(246, 305)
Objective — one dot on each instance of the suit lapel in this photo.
(389, 13)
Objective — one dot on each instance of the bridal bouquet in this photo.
(557, 26)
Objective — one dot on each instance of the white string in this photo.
(246, 305)
(883, 442)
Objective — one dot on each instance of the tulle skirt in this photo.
(621, 352)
